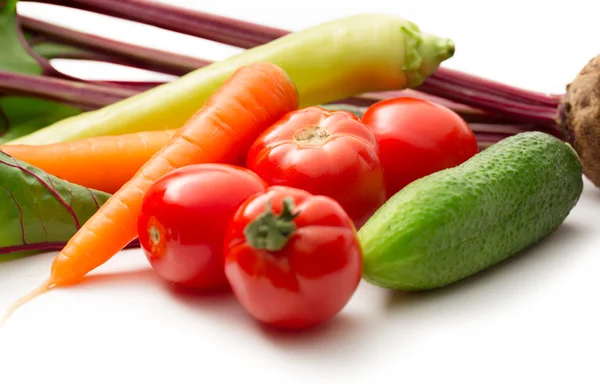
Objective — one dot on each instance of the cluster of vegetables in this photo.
(280, 225)
(256, 173)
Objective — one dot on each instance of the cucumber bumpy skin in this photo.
(456, 222)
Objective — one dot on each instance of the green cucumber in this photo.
(456, 222)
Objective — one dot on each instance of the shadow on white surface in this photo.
(221, 307)
(225, 309)
(135, 276)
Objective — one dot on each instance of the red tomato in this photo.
(417, 138)
(292, 268)
(183, 220)
(325, 153)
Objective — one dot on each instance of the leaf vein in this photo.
(21, 217)
(47, 185)
(94, 198)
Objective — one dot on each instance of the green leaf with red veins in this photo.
(40, 212)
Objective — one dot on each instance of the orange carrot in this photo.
(251, 100)
(104, 163)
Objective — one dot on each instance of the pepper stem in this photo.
(269, 231)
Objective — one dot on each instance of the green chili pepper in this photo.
(328, 62)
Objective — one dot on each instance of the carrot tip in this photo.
(44, 287)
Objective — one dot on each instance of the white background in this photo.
(532, 319)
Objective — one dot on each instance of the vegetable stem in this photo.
(458, 78)
(489, 102)
(116, 51)
(194, 23)
(47, 69)
(468, 113)
(86, 95)
(270, 231)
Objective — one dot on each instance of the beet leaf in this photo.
(20, 112)
(14, 56)
(40, 211)
(20, 116)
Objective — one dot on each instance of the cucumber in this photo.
(454, 223)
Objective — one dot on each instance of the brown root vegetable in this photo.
(579, 118)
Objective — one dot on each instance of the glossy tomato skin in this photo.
(417, 138)
(183, 220)
(325, 153)
(307, 282)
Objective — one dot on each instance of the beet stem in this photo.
(81, 93)
(490, 137)
(496, 88)
(468, 113)
(124, 53)
(44, 64)
(488, 102)
(138, 86)
(177, 19)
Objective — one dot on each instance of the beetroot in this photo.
(579, 118)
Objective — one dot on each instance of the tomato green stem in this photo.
(269, 231)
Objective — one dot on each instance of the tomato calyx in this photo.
(156, 240)
(154, 235)
(269, 231)
(313, 134)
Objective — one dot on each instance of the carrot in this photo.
(104, 163)
(251, 100)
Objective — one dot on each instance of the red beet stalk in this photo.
(115, 51)
(83, 95)
(193, 23)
